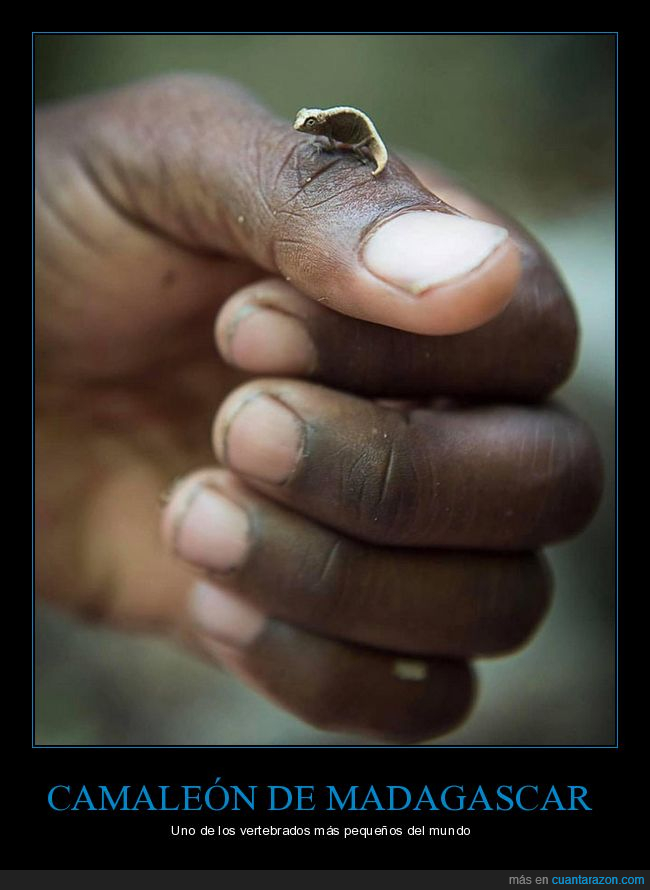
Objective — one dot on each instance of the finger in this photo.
(496, 477)
(271, 328)
(414, 602)
(332, 685)
(199, 160)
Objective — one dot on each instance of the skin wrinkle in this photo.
(174, 142)
(48, 263)
(64, 220)
(337, 590)
(317, 173)
(291, 214)
(285, 242)
(405, 475)
(334, 590)
(361, 498)
(331, 567)
(314, 205)
(386, 473)
(336, 189)
(259, 169)
(104, 192)
(386, 495)
(455, 512)
(122, 176)
(181, 212)
(302, 186)
(289, 157)
(271, 577)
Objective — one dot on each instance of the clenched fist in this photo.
(369, 515)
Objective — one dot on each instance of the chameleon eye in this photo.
(310, 122)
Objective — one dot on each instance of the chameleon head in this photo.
(309, 120)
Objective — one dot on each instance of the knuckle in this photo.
(384, 485)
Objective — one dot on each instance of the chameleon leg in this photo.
(326, 144)
(359, 152)
(323, 144)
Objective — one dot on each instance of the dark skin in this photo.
(408, 530)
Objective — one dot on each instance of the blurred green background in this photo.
(525, 118)
(528, 121)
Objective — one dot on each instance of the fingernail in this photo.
(211, 531)
(263, 340)
(264, 439)
(223, 617)
(418, 250)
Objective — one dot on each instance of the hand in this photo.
(355, 553)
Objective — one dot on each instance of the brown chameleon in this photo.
(345, 125)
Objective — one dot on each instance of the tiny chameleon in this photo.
(346, 125)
